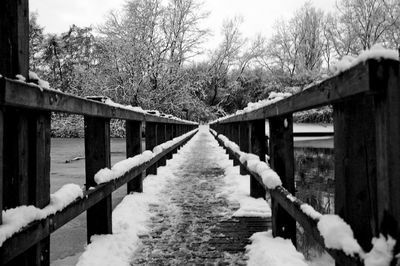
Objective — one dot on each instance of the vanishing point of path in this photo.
(193, 225)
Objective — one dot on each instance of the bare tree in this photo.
(360, 24)
(148, 44)
(296, 47)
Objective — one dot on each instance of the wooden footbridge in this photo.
(366, 104)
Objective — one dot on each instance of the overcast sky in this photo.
(259, 15)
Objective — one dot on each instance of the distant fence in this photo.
(25, 117)
(366, 111)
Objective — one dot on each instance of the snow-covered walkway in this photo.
(193, 223)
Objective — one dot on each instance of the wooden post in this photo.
(169, 134)
(134, 146)
(355, 169)
(244, 141)
(97, 156)
(26, 146)
(151, 142)
(14, 41)
(161, 138)
(236, 138)
(257, 146)
(24, 137)
(229, 135)
(386, 79)
(39, 182)
(174, 135)
(282, 162)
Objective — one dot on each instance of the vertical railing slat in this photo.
(169, 136)
(151, 142)
(386, 77)
(161, 138)
(282, 161)
(355, 171)
(134, 146)
(257, 147)
(97, 157)
(244, 141)
(39, 177)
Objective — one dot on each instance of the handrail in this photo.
(25, 95)
(352, 82)
(292, 205)
(25, 124)
(366, 117)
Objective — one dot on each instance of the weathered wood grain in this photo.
(23, 95)
(97, 157)
(284, 199)
(352, 82)
(355, 167)
(258, 147)
(282, 162)
(151, 142)
(134, 146)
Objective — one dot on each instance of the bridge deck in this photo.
(193, 224)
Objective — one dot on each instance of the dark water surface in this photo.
(315, 185)
(71, 238)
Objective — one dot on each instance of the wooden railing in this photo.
(25, 161)
(366, 111)
(25, 123)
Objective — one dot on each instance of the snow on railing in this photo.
(119, 169)
(14, 220)
(336, 233)
(377, 52)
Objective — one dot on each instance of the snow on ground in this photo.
(130, 219)
(267, 250)
(237, 189)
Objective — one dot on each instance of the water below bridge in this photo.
(195, 225)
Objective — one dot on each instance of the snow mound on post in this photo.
(377, 51)
(267, 250)
(338, 234)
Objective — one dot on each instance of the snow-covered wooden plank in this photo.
(351, 82)
(30, 96)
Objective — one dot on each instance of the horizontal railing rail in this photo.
(352, 82)
(366, 118)
(24, 95)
